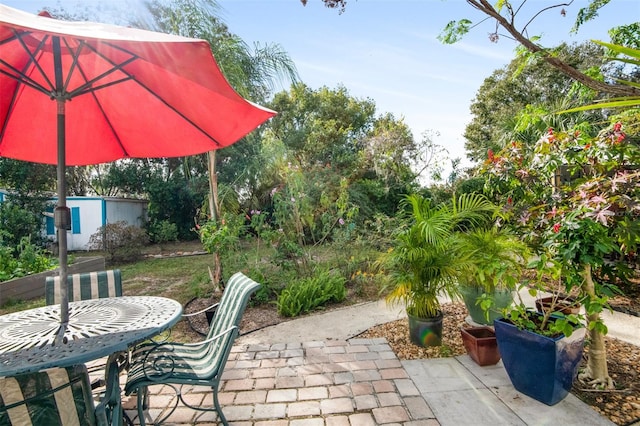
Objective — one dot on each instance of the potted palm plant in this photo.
(425, 262)
(497, 258)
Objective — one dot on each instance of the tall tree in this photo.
(323, 126)
(332, 136)
(536, 88)
(251, 72)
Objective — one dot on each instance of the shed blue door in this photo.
(75, 220)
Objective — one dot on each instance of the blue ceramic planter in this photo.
(541, 367)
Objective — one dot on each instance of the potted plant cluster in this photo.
(426, 261)
(574, 196)
(496, 259)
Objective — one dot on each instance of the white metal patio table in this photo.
(30, 340)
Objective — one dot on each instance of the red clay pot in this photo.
(481, 345)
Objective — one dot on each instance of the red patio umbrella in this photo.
(79, 93)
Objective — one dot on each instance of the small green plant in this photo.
(547, 324)
(552, 322)
(163, 231)
(221, 235)
(446, 351)
(305, 295)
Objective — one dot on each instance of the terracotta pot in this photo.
(481, 345)
(566, 305)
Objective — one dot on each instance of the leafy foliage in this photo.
(20, 220)
(223, 235)
(177, 201)
(23, 260)
(307, 294)
(546, 325)
(498, 258)
(163, 231)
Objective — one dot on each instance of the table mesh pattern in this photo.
(95, 325)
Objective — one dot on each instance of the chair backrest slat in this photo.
(229, 313)
(90, 285)
(56, 396)
(234, 300)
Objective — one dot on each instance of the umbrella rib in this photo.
(22, 79)
(154, 94)
(75, 55)
(20, 76)
(88, 85)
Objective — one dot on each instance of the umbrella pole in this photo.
(62, 218)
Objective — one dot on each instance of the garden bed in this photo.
(32, 286)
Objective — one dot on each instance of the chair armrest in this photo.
(210, 339)
(215, 305)
(159, 362)
(168, 346)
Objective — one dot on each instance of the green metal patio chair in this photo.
(84, 286)
(58, 396)
(199, 364)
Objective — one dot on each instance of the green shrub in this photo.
(25, 259)
(222, 235)
(121, 241)
(163, 231)
(307, 294)
(20, 220)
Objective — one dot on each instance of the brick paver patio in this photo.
(357, 382)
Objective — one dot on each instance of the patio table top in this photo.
(97, 328)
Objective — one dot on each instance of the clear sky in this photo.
(387, 50)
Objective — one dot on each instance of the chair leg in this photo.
(216, 403)
(143, 404)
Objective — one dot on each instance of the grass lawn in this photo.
(181, 275)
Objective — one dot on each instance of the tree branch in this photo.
(615, 89)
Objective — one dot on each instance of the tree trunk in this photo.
(596, 373)
(214, 211)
